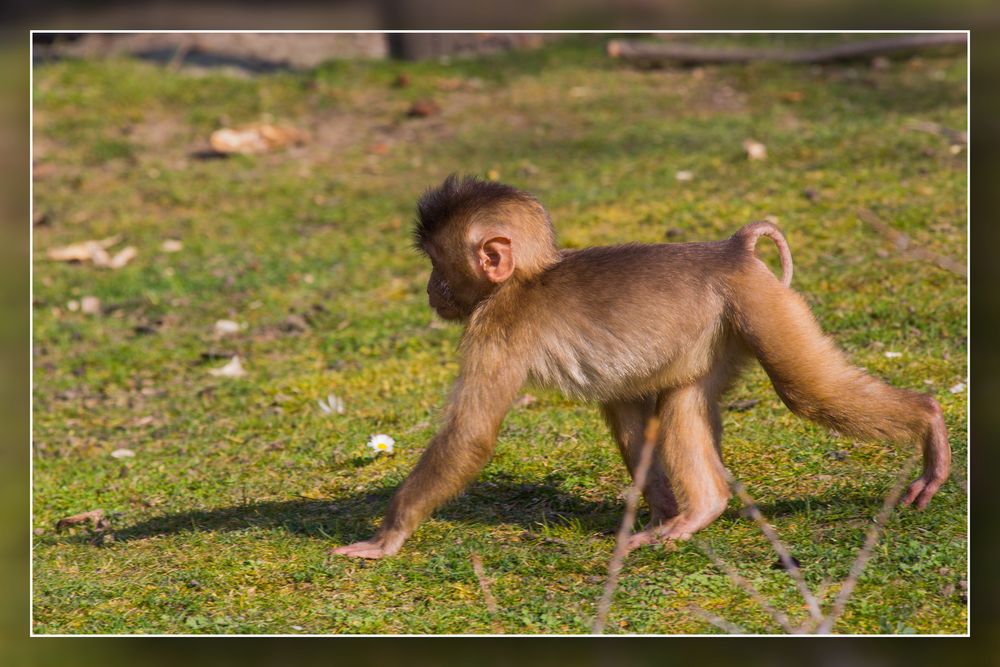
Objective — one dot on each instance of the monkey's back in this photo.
(617, 321)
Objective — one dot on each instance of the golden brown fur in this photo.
(646, 330)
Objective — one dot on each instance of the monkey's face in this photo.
(453, 289)
(441, 297)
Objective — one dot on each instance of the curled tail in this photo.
(815, 380)
(749, 235)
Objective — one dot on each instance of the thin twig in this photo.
(907, 247)
(484, 585)
(824, 588)
(808, 626)
(717, 621)
(625, 529)
(871, 539)
(779, 616)
(779, 547)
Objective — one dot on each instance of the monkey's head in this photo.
(479, 235)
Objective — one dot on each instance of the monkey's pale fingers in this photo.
(928, 492)
(642, 539)
(676, 534)
(912, 492)
(921, 491)
(365, 549)
(657, 534)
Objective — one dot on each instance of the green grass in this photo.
(238, 488)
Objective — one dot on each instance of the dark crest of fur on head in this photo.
(458, 197)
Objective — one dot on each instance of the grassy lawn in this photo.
(221, 521)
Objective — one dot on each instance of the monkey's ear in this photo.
(496, 259)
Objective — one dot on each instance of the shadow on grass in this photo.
(498, 500)
(840, 504)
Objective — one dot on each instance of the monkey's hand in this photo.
(922, 490)
(377, 547)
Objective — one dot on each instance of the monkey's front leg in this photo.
(453, 458)
(450, 463)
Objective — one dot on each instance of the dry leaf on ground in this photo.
(226, 327)
(233, 369)
(423, 108)
(755, 150)
(84, 251)
(121, 258)
(90, 305)
(255, 138)
(332, 404)
(294, 323)
(95, 517)
(94, 251)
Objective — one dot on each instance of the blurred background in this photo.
(517, 14)
(240, 53)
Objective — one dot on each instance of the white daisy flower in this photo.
(382, 443)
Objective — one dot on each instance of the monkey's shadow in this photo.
(498, 500)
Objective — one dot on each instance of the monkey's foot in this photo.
(923, 490)
(678, 528)
(374, 548)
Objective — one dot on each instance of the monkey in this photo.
(645, 330)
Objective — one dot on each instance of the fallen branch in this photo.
(904, 245)
(484, 585)
(625, 529)
(660, 51)
(871, 539)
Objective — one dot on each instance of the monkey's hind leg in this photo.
(813, 378)
(690, 432)
(627, 421)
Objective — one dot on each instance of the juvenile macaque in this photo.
(645, 330)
